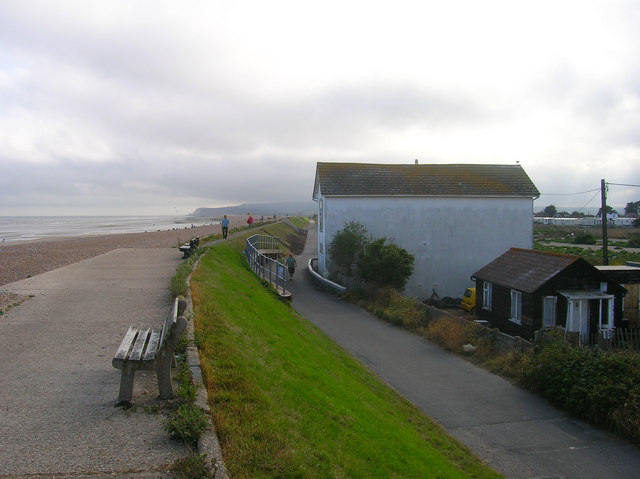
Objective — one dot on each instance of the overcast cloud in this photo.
(158, 107)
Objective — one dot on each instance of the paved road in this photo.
(517, 433)
(58, 388)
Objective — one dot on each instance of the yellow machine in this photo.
(469, 299)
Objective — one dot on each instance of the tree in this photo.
(346, 244)
(632, 208)
(610, 211)
(385, 264)
(550, 211)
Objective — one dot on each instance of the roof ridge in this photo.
(549, 253)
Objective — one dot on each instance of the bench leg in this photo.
(126, 386)
(164, 378)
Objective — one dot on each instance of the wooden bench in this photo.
(189, 248)
(150, 349)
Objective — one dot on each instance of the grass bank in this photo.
(288, 402)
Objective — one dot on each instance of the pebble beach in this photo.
(20, 260)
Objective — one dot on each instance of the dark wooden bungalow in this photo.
(524, 291)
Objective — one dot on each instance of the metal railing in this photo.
(323, 282)
(295, 227)
(265, 267)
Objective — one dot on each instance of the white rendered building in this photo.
(453, 218)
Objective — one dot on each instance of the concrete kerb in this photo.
(208, 443)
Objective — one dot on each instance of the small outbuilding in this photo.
(523, 291)
(629, 277)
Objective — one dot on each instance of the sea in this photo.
(24, 228)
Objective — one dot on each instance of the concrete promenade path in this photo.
(515, 432)
(57, 385)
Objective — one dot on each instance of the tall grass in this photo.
(288, 402)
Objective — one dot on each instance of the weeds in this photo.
(194, 466)
(178, 286)
(186, 389)
(187, 424)
(450, 333)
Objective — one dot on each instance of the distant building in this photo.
(453, 218)
(587, 221)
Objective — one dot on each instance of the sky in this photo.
(161, 107)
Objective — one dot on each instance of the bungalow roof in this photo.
(527, 270)
(367, 179)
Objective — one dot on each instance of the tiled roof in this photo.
(366, 179)
(524, 269)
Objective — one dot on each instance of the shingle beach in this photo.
(21, 260)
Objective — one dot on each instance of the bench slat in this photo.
(127, 341)
(138, 347)
(168, 322)
(152, 346)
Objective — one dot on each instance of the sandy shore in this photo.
(24, 259)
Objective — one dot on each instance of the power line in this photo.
(621, 184)
(569, 194)
(596, 194)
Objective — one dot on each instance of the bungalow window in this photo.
(487, 289)
(549, 311)
(516, 306)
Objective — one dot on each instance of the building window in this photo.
(516, 306)
(487, 290)
(549, 311)
(320, 215)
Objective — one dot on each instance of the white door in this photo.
(578, 318)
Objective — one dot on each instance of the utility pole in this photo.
(605, 241)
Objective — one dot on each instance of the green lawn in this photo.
(287, 401)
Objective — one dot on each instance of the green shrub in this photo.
(598, 386)
(584, 238)
(509, 365)
(385, 264)
(346, 245)
(634, 242)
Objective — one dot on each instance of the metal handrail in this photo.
(322, 281)
(295, 227)
(266, 268)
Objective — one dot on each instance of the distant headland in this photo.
(265, 209)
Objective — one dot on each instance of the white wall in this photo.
(451, 238)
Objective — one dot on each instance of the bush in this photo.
(584, 238)
(346, 244)
(598, 386)
(386, 264)
(634, 242)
